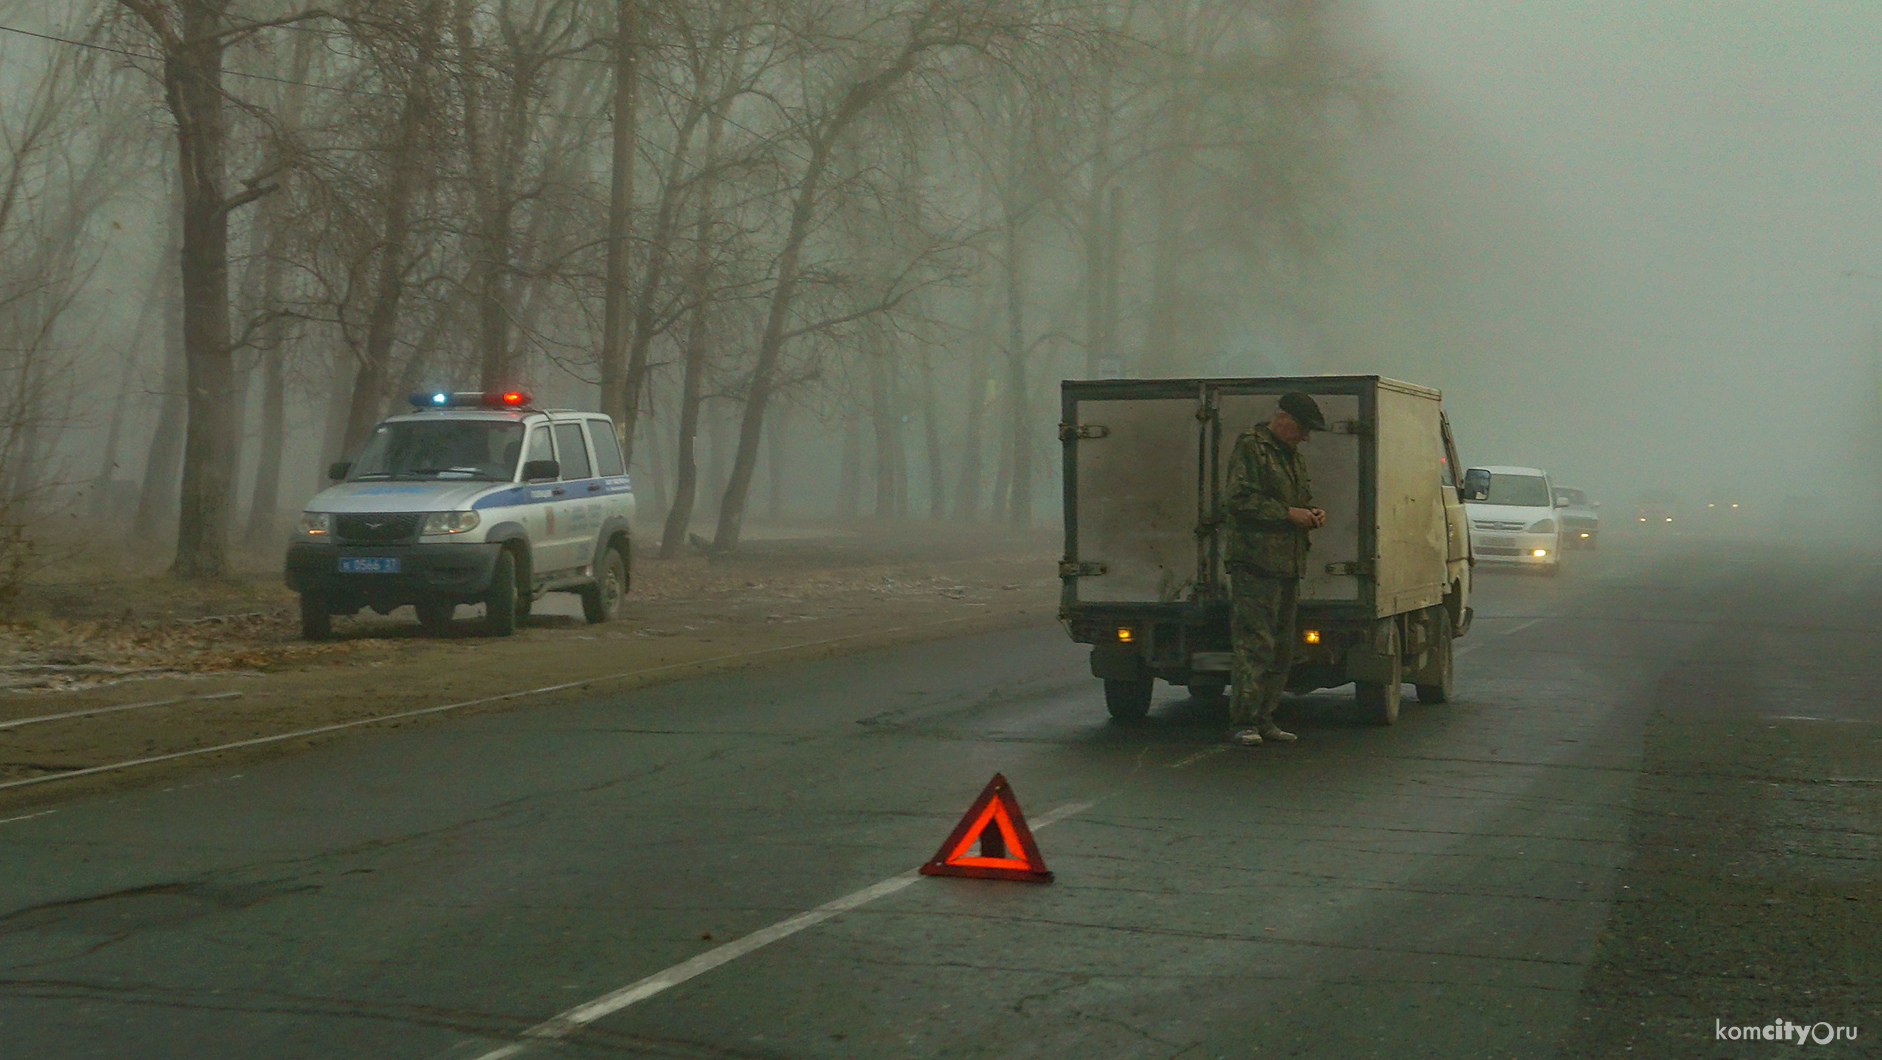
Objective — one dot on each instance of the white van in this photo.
(1513, 517)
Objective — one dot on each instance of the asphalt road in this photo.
(1658, 763)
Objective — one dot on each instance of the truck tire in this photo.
(435, 615)
(1128, 701)
(601, 602)
(316, 621)
(1436, 686)
(1378, 700)
(502, 612)
(1208, 687)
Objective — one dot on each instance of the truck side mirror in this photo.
(1476, 484)
(1561, 502)
(540, 470)
(339, 469)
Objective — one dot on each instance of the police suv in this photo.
(469, 498)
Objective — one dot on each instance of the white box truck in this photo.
(1387, 586)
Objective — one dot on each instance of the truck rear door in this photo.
(1133, 491)
(1337, 467)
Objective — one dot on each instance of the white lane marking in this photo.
(1519, 629)
(259, 740)
(570, 1020)
(1200, 755)
(26, 817)
(17, 722)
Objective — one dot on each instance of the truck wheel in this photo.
(316, 622)
(601, 602)
(500, 604)
(1128, 701)
(1208, 687)
(1378, 700)
(435, 615)
(1436, 686)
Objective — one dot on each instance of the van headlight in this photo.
(436, 523)
(317, 524)
(1542, 526)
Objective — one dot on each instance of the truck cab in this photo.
(469, 498)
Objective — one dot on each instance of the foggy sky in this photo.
(1644, 210)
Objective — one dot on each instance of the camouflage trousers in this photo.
(1261, 630)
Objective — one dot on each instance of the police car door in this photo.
(577, 508)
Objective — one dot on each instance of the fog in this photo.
(1637, 244)
(1650, 234)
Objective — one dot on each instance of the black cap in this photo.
(1304, 411)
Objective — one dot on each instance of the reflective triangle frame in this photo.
(1007, 848)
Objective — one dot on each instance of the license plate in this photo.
(369, 564)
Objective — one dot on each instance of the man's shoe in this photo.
(1246, 737)
(1276, 733)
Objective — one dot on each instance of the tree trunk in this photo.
(193, 85)
(967, 493)
(931, 424)
(264, 507)
(616, 400)
(849, 483)
(1019, 440)
(891, 453)
(776, 457)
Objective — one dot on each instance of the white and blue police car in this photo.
(469, 498)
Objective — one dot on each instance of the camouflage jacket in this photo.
(1266, 478)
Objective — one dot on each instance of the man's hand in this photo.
(1307, 518)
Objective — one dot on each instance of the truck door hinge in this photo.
(1069, 431)
(1352, 568)
(1069, 569)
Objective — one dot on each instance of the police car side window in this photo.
(607, 453)
(540, 447)
(568, 437)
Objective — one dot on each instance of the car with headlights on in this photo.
(470, 498)
(1515, 522)
(1580, 518)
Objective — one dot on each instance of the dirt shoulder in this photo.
(230, 656)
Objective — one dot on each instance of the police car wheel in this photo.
(435, 615)
(601, 602)
(501, 613)
(316, 623)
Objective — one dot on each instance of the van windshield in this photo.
(1523, 491)
(441, 449)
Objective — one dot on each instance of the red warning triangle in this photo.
(1007, 850)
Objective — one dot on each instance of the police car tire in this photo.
(316, 622)
(435, 615)
(501, 613)
(601, 602)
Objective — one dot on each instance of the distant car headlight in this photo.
(317, 524)
(447, 523)
(1542, 526)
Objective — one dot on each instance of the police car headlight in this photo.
(447, 523)
(317, 524)
(1542, 526)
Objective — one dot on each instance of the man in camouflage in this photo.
(1269, 507)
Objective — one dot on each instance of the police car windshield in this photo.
(441, 449)
(1525, 491)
